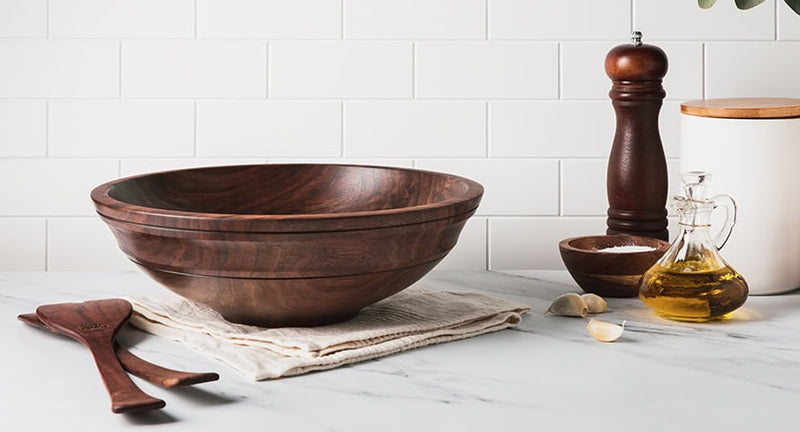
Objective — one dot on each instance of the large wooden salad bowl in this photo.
(287, 245)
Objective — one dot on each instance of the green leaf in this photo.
(795, 5)
(705, 4)
(747, 4)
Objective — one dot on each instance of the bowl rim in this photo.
(566, 244)
(113, 208)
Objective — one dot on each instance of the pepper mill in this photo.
(636, 179)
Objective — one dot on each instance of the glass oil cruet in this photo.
(692, 282)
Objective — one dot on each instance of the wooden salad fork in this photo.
(153, 373)
(95, 324)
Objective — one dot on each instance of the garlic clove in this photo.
(604, 331)
(595, 303)
(569, 304)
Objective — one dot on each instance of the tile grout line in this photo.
(559, 69)
(196, 19)
(47, 19)
(775, 22)
(486, 20)
(632, 16)
(704, 66)
(341, 19)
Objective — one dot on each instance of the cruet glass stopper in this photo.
(695, 184)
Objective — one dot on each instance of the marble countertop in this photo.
(547, 375)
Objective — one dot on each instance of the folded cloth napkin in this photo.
(413, 318)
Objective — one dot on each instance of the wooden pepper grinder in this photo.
(637, 169)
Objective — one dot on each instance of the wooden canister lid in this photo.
(743, 108)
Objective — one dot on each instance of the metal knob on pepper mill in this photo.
(637, 168)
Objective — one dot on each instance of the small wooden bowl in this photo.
(287, 245)
(610, 274)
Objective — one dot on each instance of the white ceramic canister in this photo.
(751, 147)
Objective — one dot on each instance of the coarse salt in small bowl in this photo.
(610, 265)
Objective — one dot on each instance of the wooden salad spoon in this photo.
(153, 373)
(95, 324)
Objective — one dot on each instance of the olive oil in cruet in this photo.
(692, 282)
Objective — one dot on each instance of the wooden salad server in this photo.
(153, 373)
(95, 324)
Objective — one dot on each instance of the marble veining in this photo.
(549, 374)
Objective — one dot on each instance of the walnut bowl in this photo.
(279, 245)
(599, 265)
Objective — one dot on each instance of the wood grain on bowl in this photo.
(278, 245)
(610, 274)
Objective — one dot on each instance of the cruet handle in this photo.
(726, 203)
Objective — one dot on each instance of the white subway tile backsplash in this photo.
(684, 20)
(23, 244)
(584, 76)
(415, 19)
(501, 70)
(532, 243)
(23, 18)
(129, 167)
(583, 73)
(269, 19)
(269, 129)
(121, 18)
(43, 187)
(583, 187)
(414, 128)
(669, 126)
(83, 244)
(559, 20)
(121, 129)
(550, 128)
(566, 128)
(191, 69)
(347, 70)
(788, 23)
(752, 69)
(512, 93)
(23, 129)
(512, 186)
(470, 251)
(684, 79)
(59, 69)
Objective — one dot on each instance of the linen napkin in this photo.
(412, 318)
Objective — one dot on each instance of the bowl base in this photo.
(299, 302)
